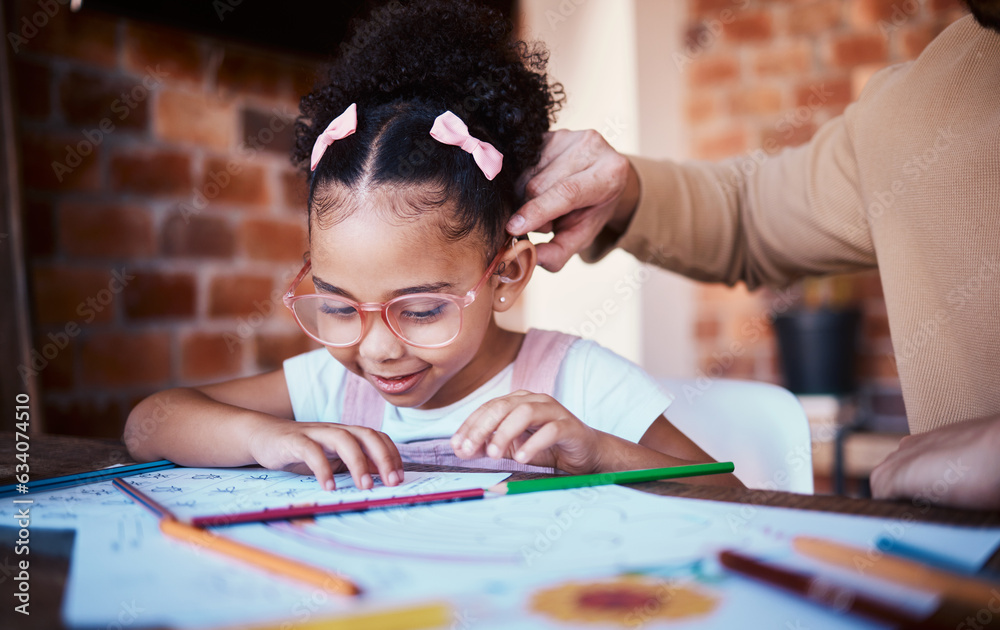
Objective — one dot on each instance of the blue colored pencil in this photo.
(93, 476)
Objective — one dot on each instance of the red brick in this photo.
(39, 229)
(876, 326)
(151, 172)
(709, 8)
(846, 51)
(52, 358)
(245, 71)
(56, 162)
(62, 293)
(718, 145)
(264, 239)
(121, 359)
(748, 27)
(707, 329)
(154, 294)
(87, 416)
(105, 230)
(272, 131)
(210, 356)
(33, 86)
(198, 119)
(756, 100)
(176, 53)
(815, 17)
(788, 59)
(88, 97)
(817, 94)
(193, 236)
(295, 190)
(239, 295)
(228, 181)
(716, 69)
(702, 106)
(86, 36)
(273, 349)
(866, 14)
(787, 135)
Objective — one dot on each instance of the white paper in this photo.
(491, 558)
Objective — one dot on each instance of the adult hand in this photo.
(957, 465)
(580, 185)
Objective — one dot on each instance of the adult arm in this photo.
(755, 218)
(957, 465)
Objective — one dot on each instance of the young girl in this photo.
(413, 147)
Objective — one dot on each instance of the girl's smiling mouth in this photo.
(397, 385)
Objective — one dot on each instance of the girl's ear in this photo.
(514, 273)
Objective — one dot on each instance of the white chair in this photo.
(759, 427)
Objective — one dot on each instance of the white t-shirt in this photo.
(602, 389)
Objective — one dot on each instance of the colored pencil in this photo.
(432, 615)
(301, 511)
(962, 588)
(92, 476)
(602, 479)
(897, 547)
(819, 590)
(142, 498)
(259, 558)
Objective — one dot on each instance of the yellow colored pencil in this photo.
(432, 615)
(900, 570)
(258, 557)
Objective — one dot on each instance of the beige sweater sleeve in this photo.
(756, 218)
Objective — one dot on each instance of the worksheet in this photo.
(540, 560)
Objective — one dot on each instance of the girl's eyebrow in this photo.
(436, 287)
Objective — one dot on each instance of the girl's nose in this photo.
(379, 344)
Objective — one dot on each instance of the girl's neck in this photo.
(498, 350)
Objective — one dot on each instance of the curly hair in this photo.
(404, 65)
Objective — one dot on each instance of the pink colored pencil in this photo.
(276, 514)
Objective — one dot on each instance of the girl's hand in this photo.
(324, 448)
(530, 429)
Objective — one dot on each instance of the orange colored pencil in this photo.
(258, 557)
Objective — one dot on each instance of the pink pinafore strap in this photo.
(535, 369)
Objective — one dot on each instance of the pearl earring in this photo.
(503, 299)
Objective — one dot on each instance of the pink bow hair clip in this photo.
(338, 129)
(449, 129)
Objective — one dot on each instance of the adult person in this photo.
(906, 180)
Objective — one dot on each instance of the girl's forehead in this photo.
(368, 251)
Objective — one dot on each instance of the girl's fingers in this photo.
(471, 438)
(382, 453)
(314, 456)
(520, 419)
(541, 440)
(346, 447)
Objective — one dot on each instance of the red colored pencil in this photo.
(299, 511)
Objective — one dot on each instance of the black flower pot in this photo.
(818, 350)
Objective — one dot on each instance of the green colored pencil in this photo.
(603, 479)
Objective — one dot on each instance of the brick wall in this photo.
(763, 75)
(162, 217)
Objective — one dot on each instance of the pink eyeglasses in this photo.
(423, 320)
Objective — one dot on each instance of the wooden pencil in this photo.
(900, 570)
(259, 558)
(820, 590)
(566, 482)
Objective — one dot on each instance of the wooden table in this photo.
(61, 455)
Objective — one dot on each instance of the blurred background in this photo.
(153, 220)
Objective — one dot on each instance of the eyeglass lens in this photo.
(420, 320)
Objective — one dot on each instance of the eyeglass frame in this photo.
(462, 302)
